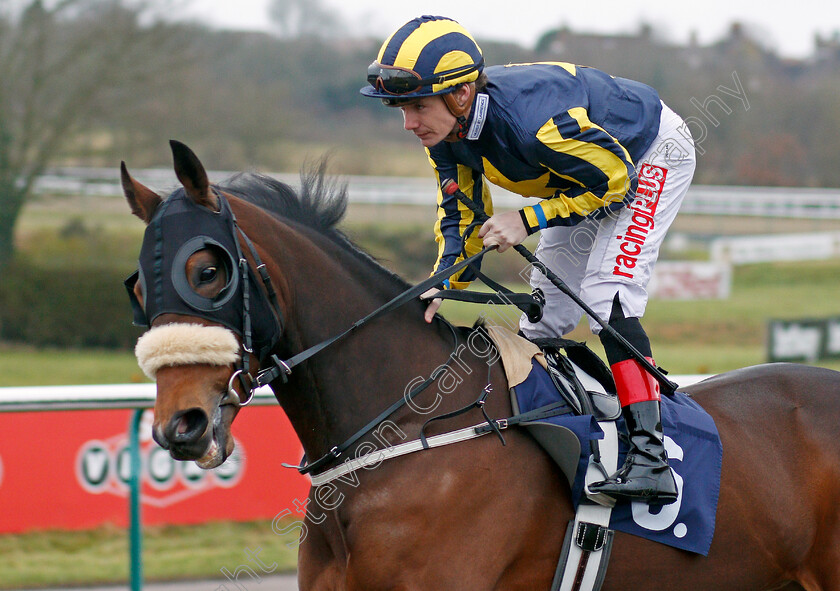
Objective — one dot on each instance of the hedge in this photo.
(71, 308)
(70, 300)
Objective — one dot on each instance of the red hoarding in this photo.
(69, 470)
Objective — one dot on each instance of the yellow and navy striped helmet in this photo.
(426, 56)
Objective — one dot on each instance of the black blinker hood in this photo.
(179, 228)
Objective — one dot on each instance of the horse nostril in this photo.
(186, 426)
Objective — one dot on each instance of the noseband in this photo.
(185, 344)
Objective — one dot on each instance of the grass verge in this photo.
(100, 556)
(27, 366)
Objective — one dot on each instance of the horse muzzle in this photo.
(192, 435)
(194, 410)
(186, 434)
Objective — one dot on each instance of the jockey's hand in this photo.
(434, 304)
(503, 230)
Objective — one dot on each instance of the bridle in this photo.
(243, 372)
(168, 290)
(266, 298)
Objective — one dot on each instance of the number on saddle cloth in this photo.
(692, 441)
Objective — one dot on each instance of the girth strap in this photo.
(375, 458)
(554, 409)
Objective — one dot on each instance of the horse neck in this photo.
(336, 392)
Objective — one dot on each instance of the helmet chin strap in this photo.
(460, 111)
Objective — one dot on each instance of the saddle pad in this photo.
(515, 352)
(537, 391)
(695, 454)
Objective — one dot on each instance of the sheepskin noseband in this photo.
(185, 344)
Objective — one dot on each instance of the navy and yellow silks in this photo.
(570, 135)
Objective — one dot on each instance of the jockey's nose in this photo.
(184, 430)
(410, 121)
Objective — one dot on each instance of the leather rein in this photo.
(282, 369)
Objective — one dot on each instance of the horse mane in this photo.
(320, 205)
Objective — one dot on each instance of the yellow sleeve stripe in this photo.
(531, 216)
(570, 68)
(465, 183)
(538, 215)
(466, 216)
(561, 207)
(609, 163)
(580, 115)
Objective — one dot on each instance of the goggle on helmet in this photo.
(427, 56)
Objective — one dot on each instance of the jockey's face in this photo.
(429, 119)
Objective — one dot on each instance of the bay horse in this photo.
(476, 515)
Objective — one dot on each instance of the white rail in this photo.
(115, 396)
(98, 397)
(791, 202)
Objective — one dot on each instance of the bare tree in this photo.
(62, 65)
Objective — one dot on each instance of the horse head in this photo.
(195, 291)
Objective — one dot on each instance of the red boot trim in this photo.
(633, 383)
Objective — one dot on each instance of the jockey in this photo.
(609, 161)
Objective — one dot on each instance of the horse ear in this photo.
(191, 173)
(143, 201)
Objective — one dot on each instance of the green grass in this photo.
(714, 336)
(101, 556)
(704, 336)
(25, 366)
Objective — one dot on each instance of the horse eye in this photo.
(208, 274)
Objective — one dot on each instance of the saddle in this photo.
(583, 441)
(586, 386)
(575, 372)
(581, 378)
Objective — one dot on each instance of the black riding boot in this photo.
(645, 475)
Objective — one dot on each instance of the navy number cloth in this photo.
(694, 452)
